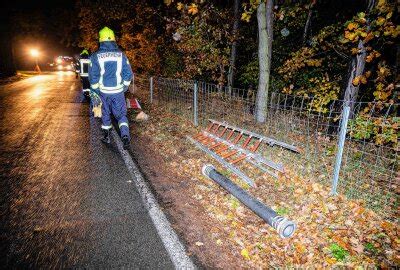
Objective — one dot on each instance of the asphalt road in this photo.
(66, 200)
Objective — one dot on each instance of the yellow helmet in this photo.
(106, 34)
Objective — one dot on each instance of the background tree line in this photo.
(325, 49)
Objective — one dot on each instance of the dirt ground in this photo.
(220, 232)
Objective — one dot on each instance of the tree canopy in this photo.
(314, 44)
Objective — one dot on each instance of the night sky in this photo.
(40, 24)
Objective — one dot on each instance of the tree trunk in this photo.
(357, 66)
(265, 23)
(307, 26)
(396, 91)
(232, 61)
(356, 69)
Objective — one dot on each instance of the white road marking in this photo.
(174, 247)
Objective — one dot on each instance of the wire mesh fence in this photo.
(140, 87)
(369, 170)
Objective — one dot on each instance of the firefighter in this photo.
(83, 71)
(110, 75)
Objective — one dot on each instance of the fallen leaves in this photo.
(245, 254)
(199, 244)
(331, 230)
(300, 248)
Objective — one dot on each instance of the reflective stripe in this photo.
(102, 87)
(102, 70)
(106, 127)
(95, 86)
(127, 83)
(118, 71)
(84, 62)
(123, 124)
(111, 91)
(84, 75)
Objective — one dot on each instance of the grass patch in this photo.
(370, 248)
(282, 211)
(338, 252)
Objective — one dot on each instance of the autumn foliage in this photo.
(313, 44)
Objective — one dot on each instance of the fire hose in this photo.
(284, 227)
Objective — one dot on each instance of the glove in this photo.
(94, 91)
(96, 101)
(97, 111)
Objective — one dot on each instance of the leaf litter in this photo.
(331, 231)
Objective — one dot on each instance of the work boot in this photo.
(106, 136)
(126, 142)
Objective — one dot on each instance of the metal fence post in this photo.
(339, 154)
(195, 114)
(151, 89)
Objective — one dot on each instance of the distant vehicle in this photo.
(64, 63)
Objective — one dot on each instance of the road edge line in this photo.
(170, 239)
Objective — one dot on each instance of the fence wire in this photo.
(140, 88)
(370, 164)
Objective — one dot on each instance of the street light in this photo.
(35, 54)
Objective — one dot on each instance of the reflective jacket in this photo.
(109, 69)
(84, 65)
